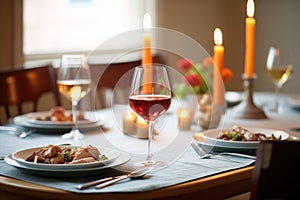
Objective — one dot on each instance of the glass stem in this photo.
(277, 91)
(74, 115)
(150, 136)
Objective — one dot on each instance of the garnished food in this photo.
(59, 114)
(53, 154)
(241, 134)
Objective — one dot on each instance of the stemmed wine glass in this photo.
(150, 97)
(279, 69)
(74, 82)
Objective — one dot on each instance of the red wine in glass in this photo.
(150, 107)
(150, 97)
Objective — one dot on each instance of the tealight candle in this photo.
(141, 128)
(184, 118)
(129, 120)
(135, 126)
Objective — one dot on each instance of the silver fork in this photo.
(203, 154)
(16, 131)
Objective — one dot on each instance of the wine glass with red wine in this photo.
(150, 98)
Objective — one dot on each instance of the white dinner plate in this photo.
(95, 120)
(21, 155)
(219, 149)
(75, 172)
(90, 117)
(209, 138)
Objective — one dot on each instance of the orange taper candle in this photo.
(218, 89)
(147, 55)
(250, 40)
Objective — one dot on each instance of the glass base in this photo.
(273, 109)
(74, 134)
(150, 163)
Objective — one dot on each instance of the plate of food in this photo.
(67, 172)
(238, 137)
(59, 116)
(53, 157)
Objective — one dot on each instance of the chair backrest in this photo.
(27, 85)
(110, 74)
(277, 170)
(115, 76)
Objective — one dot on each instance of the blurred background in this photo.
(33, 31)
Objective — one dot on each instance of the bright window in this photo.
(60, 26)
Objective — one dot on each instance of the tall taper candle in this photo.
(218, 90)
(147, 55)
(250, 40)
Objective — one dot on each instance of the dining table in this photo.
(184, 176)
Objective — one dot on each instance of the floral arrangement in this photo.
(198, 78)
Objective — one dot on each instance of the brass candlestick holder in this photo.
(247, 109)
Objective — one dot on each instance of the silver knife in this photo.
(102, 180)
(134, 174)
(97, 182)
(89, 184)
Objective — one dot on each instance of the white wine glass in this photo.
(150, 98)
(74, 82)
(279, 69)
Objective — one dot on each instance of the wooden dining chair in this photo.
(115, 76)
(277, 171)
(22, 85)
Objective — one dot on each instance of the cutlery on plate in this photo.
(134, 174)
(203, 154)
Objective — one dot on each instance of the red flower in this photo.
(193, 79)
(184, 65)
(227, 74)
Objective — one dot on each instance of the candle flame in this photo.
(183, 113)
(129, 115)
(147, 21)
(218, 36)
(250, 8)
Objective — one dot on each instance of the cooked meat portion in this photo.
(239, 133)
(58, 114)
(84, 152)
(58, 159)
(83, 160)
(43, 153)
(53, 154)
